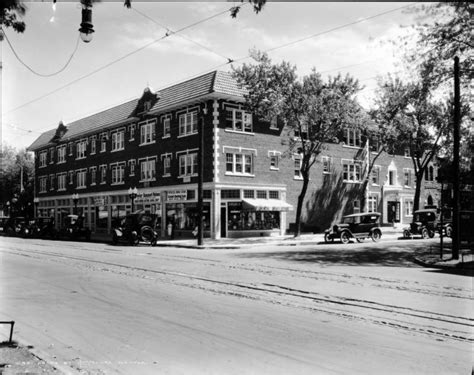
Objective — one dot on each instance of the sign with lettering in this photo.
(100, 201)
(152, 198)
(177, 195)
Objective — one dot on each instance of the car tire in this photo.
(328, 238)
(431, 233)
(345, 237)
(376, 235)
(425, 234)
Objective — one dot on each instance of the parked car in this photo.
(16, 226)
(74, 228)
(136, 227)
(3, 223)
(424, 224)
(359, 226)
(43, 227)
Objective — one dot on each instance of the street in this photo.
(93, 308)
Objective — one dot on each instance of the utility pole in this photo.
(456, 125)
(200, 234)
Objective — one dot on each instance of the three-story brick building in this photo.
(250, 183)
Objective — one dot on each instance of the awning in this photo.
(265, 205)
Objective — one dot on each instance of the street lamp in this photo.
(87, 28)
(132, 193)
(36, 202)
(75, 199)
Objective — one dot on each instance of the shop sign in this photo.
(177, 195)
(152, 198)
(234, 207)
(100, 201)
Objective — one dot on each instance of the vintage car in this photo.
(16, 226)
(359, 226)
(74, 228)
(43, 227)
(136, 227)
(424, 224)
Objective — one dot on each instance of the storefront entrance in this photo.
(393, 212)
(223, 222)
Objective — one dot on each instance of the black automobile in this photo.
(359, 226)
(74, 228)
(43, 227)
(424, 224)
(136, 227)
(16, 226)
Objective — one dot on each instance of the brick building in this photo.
(250, 183)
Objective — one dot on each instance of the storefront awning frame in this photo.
(260, 204)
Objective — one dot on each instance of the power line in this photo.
(31, 69)
(117, 60)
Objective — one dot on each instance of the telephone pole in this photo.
(456, 126)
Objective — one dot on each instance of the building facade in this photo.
(250, 182)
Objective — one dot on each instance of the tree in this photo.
(13, 163)
(314, 110)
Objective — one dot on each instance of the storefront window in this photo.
(239, 219)
(184, 216)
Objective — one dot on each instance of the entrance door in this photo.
(223, 222)
(393, 212)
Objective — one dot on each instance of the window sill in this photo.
(119, 149)
(352, 182)
(349, 146)
(298, 178)
(154, 179)
(61, 162)
(103, 183)
(146, 144)
(274, 128)
(93, 184)
(166, 175)
(375, 184)
(131, 139)
(188, 175)
(81, 158)
(117, 183)
(274, 168)
(61, 189)
(42, 166)
(81, 187)
(239, 174)
(326, 172)
(166, 136)
(238, 131)
(186, 135)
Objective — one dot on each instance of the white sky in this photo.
(362, 50)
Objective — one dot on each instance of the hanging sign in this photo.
(152, 198)
(177, 195)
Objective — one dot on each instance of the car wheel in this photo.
(328, 238)
(406, 234)
(376, 235)
(449, 231)
(425, 233)
(345, 238)
(431, 233)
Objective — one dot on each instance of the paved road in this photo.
(324, 309)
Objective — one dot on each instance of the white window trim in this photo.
(81, 142)
(101, 167)
(147, 123)
(62, 147)
(164, 156)
(186, 134)
(375, 167)
(51, 176)
(346, 133)
(122, 131)
(93, 183)
(112, 166)
(187, 152)
(300, 158)
(51, 155)
(43, 181)
(82, 171)
(147, 159)
(130, 127)
(352, 162)
(329, 158)
(163, 119)
(43, 163)
(243, 173)
(134, 163)
(65, 181)
(271, 154)
(93, 140)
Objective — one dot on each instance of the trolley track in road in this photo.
(393, 311)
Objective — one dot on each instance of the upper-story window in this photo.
(42, 184)
(42, 158)
(118, 138)
(93, 144)
(238, 120)
(131, 132)
(274, 160)
(406, 152)
(103, 174)
(375, 175)
(188, 165)
(352, 137)
(81, 149)
(392, 177)
(103, 142)
(301, 131)
(326, 164)
(81, 178)
(62, 154)
(51, 155)
(118, 172)
(166, 158)
(62, 181)
(351, 171)
(297, 167)
(93, 171)
(71, 177)
(188, 123)
(429, 173)
(147, 169)
(147, 132)
(51, 182)
(166, 126)
(239, 163)
(131, 164)
(407, 176)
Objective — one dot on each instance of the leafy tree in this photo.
(313, 110)
(12, 12)
(13, 163)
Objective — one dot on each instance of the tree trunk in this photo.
(416, 199)
(299, 207)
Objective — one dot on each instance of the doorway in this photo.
(393, 212)
(223, 222)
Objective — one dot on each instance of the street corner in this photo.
(463, 266)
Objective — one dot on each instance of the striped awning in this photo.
(249, 204)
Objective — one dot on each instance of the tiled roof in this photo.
(213, 82)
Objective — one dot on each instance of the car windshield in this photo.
(351, 219)
(424, 216)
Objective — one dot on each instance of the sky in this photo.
(123, 59)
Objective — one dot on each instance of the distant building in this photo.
(251, 185)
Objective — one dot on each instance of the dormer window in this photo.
(352, 137)
(146, 106)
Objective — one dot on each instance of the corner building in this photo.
(250, 184)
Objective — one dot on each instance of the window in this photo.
(230, 193)
(392, 177)
(166, 127)
(147, 132)
(42, 184)
(71, 177)
(51, 155)
(297, 168)
(103, 174)
(356, 206)
(118, 171)
(61, 181)
(262, 194)
(131, 164)
(274, 160)
(188, 165)
(406, 152)
(372, 203)
(93, 171)
(238, 120)
(71, 148)
(374, 144)
(81, 178)
(51, 182)
(409, 208)
(239, 163)
(249, 193)
(407, 176)
(103, 142)
(188, 123)
(351, 171)
(93, 144)
(81, 149)
(131, 131)
(61, 154)
(429, 173)
(274, 194)
(326, 164)
(375, 175)
(118, 139)
(147, 169)
(42, 158)
(352, 137)
(166, 158)
(303, 133)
